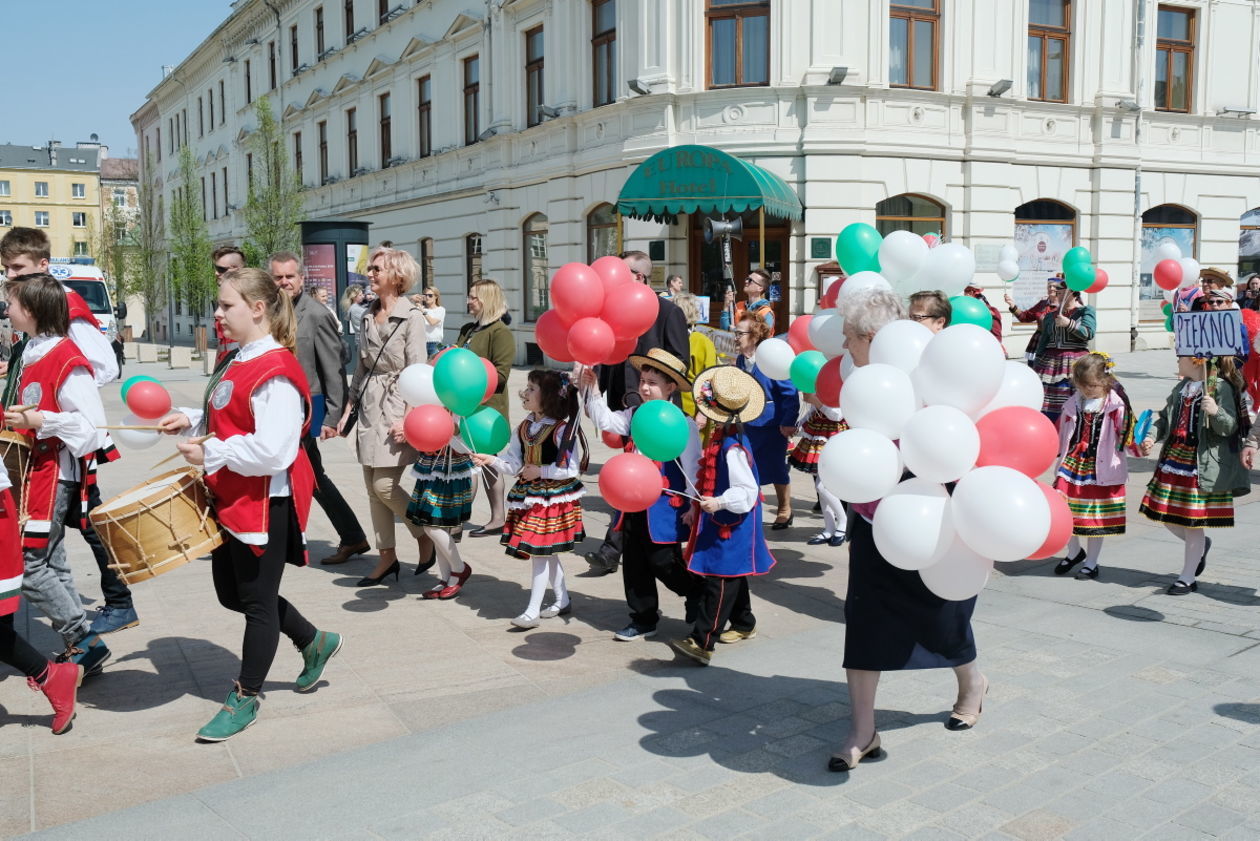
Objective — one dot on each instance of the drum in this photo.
(16, 450)
(160, 525)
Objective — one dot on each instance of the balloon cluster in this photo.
(950, 409)
(146, 397)
(630, 482)
(1172, 273)
(597, 313)
(456, 384)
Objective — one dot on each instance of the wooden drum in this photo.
(16, 450)
(160, 525)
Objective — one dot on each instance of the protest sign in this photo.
(1209, 333)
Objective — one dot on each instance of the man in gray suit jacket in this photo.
(319, 352)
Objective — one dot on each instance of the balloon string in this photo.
(686, 478)
(680, 493)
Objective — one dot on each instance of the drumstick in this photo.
(201, 439)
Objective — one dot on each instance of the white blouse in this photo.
(81, 410)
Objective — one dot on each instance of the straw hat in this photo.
(665, 362)
(726, 394)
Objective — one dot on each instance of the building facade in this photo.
(54, 188)
(492, 140)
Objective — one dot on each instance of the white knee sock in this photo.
(556, 572)
(538, 587)
(832, 510)
(1093, 548)
(1196, 542)
(449, 562)
(1073, 547)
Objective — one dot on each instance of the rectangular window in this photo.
(222, 104)
(6, 218)
(319, 31)
(78, 191)
(170, 135)
(323, 152)
(472, 99)
(249, 92)
(387, 138)
(210, 99)
(204, 210)
(201, 119)
(424, 96)
(78, 219)
(227, 208)
(271, 65)
(1174, 59)
(159, 142)
(382, 10)
(297, 154)
(5, 188)
(249, 169)
(739, 42)
(533, 76)
(604, 51)
(1049, 39)
(41, 218)
(349, 19)
(184, 123)
(214, 195)
(80, 249)
(41, 189)
(352, 140)
(293, 50)
(912, 43)
(120, 197)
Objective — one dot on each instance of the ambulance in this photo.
(90, 282)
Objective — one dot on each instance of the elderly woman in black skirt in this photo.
(893, 621)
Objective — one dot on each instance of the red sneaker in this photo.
(61, 687)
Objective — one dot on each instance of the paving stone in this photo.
(1210, 818)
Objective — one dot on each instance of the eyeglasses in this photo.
(749, 280)
(370, 269)
(428, 295)
(918, 317)
(221, 269)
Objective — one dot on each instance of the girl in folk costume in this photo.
(1065, 334)
(441, 503)
(544, 509)
(821, 423)
(261, 484)
(1199, 471)
(727, 542)
(652, 539)
(1094, 429)
(60, 412)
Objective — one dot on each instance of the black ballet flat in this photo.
(818, 540)
(1181, 588)
(1086, 574)
(1064, 566)
(837, 540)
(486, 531)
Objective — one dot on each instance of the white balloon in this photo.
(912, 526)
(940, 444)
(950, 268)
(1000, 513)
(847, 366)
(826, 332)
(901, 256)
(1008, 254)
(1020, 387)
(1008, 270)
(1169, 295)
(959, 574)
(860, 465)
(900, 343)
(136, 439)
(878, 397)
(1190, 269)
(415, 384)
(1167, 250)
(857, 283)
(961, 367)
(774, 358)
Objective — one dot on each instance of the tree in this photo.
(150, 256)
(192, 272)
(273, 207)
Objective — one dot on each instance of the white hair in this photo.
(870, 309)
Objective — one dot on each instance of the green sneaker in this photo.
(237, 713)
(315, 657)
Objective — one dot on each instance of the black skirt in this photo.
(893, 621)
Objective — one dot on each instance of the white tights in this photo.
(547, 569)
(1196, 543)
(832, 510)
(448, 560)
(1093, 548)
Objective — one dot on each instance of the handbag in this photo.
(353, 417)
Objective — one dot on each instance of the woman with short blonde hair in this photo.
(703, 351)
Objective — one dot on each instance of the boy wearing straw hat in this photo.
(727, 542)
(652, 539)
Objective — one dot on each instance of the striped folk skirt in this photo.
(544, 517)
(1173, 494)
(1097, 510)
(815, 432)
(443, 495)
(1054, 368)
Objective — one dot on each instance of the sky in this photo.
(92, 64)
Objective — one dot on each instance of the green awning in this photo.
(690, 179)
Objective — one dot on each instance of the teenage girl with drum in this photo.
(262, 485)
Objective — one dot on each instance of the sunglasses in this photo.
(372, 269)
(221, 269)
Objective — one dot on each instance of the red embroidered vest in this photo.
(79, 309)
(241, 502)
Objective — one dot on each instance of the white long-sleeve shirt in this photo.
(742, 495)
(97, 348)
(81, 411)
(618, 423)
(512, 459)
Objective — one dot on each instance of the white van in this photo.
(90, 282)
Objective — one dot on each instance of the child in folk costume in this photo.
(61, 413)
(441, 503)
(820, 425)
(544, 506)
(1094, 429)
(727, 542)
(652, 539)
(1199, 471)
(261, 484)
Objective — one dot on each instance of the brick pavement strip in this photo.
(1114, 710)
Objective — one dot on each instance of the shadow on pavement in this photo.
(1249, 713)
(182, 666)
(547, 646)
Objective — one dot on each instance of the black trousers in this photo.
(339, 512)
(250, 584)
(17, 652)
(723, 600)
(644, 563)
(113, 589)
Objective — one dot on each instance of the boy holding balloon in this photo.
(652, 539)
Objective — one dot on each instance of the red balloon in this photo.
(1018, 437)
(1060, 524)
(833, 292)
(435, 357)
(492, 379)
(631, 309)
(612, 439)
(591, 341)
(428, 428)
(613, 271)
(1167, 274)
(630, 482)
(1100, 281)
(622, 349)
(552, 335)
(798, 334)
(149, 400)
(827, 386)
(576, 292)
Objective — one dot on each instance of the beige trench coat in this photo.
(381, 405)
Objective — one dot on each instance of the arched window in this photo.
(1044, 231)
(472, 258)
(1165, 223)
(601, 233)
(534, 252)
(1249, 243)
(910, 212)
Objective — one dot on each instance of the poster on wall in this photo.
(356, 264)
(1249, 244)
(1150, 296)
(321, 267)
(1041, 248)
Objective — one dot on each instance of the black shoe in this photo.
(426, 566)
(1181, 588)
(599, 564)
(486, 531)
(1085, 573)
(1064, 566)
(817, 507)
(780, 525)
(837, 540)
(1203, 561)
(368, 581)
(818, 540)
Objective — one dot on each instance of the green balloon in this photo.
(965, 309)
(804, 370)
(1168, 323)
(1166, 308)
(1076, 255)
(138, 378)
(857, 248)
(660, 430)
(1079, 276)
(460, 380)
(486, 431)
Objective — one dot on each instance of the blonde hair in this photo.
(258, 285)
(398, 267)
(437, 294)
(686, 302)
(493, 304)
